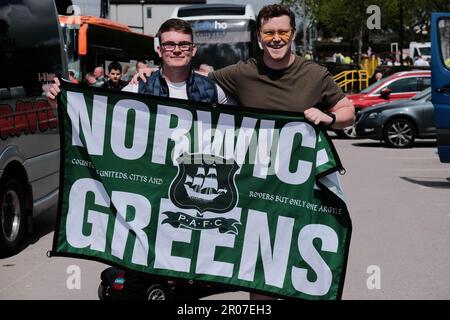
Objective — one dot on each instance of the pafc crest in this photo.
(205, 183)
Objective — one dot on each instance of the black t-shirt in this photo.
(114, 86)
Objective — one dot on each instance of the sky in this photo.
(92, 7)
(256, 4)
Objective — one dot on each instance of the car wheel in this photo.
(347, 133)
(157, 292)
(12, 215)
(399, 133)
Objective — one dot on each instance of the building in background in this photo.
(144, 15)
(224, 33)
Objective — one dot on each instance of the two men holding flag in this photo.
(279, 81)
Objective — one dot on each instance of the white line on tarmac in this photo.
(426, 170)
(410, 158)
(30, 272)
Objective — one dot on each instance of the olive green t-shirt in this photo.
(302, 85)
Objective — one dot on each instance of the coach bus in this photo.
(440, 81)
(224, 33)
(92, 41)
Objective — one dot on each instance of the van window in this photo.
(21, 52)
(444, 39)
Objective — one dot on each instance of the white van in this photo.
(422, 49)
(31, 55)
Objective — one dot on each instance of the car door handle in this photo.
(444, 89)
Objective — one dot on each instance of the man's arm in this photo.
(53, 92)
(225, 78)
(343, 110)
(143, 74)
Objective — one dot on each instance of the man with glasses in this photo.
(176, 79)
(281, 80)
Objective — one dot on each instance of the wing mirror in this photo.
(384, 93)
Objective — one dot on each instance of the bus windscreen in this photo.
(221, 42)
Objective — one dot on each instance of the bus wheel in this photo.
(12, 215)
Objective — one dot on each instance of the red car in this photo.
(399, 86)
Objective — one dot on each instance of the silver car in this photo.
(398, 123)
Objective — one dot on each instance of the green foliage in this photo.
(347, 18)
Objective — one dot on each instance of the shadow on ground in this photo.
(377, 144)
(439, 183)
(43, 224)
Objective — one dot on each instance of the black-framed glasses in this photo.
(183, 45)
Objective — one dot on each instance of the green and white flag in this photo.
(244, 197)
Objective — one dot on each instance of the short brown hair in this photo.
(273, 11)
(175, 24)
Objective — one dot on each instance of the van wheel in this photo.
(12, 215)
(399, 133)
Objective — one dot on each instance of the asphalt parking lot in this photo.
(399, 202)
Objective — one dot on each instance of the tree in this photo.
(348, 18)
(302, 10)
(334, 18)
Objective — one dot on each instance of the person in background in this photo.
(420, 62)
(114, 77)
(72, 77)
(205, 68)
(90, 79)
(378, 76)
(308, 55)
(447, 62)
(99, 74)
(141, 65)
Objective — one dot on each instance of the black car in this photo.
(398, 123)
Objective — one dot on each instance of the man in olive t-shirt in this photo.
(280, 80)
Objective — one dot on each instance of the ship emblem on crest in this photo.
(204, 182)
(203, 186)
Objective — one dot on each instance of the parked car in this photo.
(398, 123)
(399, 86)
(31, 55)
